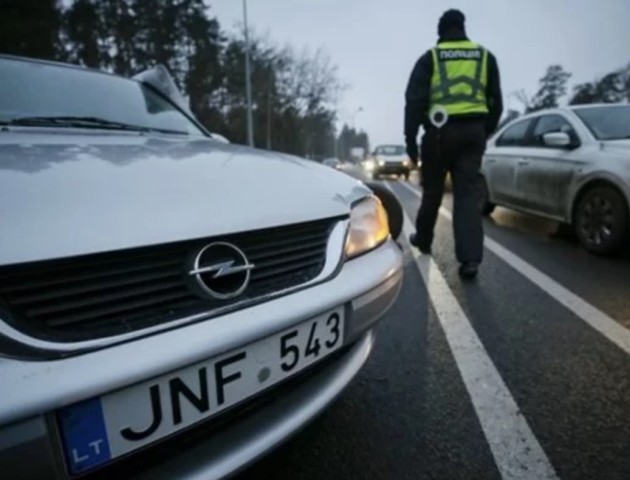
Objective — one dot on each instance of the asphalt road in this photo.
(524, 373)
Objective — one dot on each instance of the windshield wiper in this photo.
(84, 122)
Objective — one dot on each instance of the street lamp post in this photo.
(248, 85)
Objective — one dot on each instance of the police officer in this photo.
(454, 86)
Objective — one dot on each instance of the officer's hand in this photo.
(412, 152)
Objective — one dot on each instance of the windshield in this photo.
(33, 89)
(390, 150)
(607, 123)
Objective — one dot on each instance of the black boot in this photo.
(469, 270)
(413, 239)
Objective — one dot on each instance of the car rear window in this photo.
(607, 123)
(390, 150)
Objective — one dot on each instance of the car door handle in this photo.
(523, 163)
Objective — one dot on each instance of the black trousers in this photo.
(456, 149)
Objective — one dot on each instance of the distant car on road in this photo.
(568, 164)
(332, 163)
(171, 305)
(390, 160)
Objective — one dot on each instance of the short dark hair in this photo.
(451, 20)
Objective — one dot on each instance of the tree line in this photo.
(613, 87)
(294, 93)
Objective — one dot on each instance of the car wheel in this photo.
(487, 207)
(601, 220)
(392, 207)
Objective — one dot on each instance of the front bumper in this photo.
(392, 169)
(32, 391)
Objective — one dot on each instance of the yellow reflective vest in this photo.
(460, 76)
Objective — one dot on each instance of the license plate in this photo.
(98, 430)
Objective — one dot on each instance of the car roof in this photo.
(597, 105)
(58, 64)
(545, 111)
(570, 108)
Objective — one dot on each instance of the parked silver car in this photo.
(171, 305)
(568, 164)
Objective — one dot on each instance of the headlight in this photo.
(369, 165)
(368, 228)
(406, 163)
(381, 162)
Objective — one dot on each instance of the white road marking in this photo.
(602, 323)
(515, 449)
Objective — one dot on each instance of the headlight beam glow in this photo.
(369, 227)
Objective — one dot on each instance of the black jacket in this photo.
(419, 91)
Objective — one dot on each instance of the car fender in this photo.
(392, 207)
(591, 177)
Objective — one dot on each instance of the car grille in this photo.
(105, 294)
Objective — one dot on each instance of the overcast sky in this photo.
(376, 42)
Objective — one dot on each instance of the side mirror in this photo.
(159, 78)
(557, 140)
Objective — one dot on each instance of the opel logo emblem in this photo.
(221, 270)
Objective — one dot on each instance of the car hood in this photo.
(64, 194)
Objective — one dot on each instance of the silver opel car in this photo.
(171, 305)
(568, 164)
